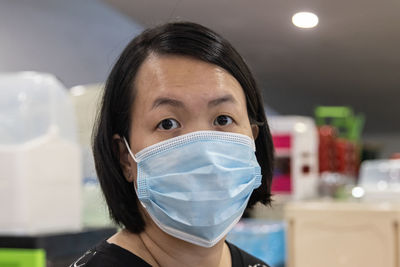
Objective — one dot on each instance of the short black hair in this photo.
(178, 38)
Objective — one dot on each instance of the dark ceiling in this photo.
(351, 58)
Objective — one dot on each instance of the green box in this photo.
(12, 257)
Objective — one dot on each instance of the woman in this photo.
(178, 147)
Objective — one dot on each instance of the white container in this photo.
(380, 180)
(85, 100)
(296, 156)
(40, 166)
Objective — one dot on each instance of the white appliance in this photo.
(296, 157)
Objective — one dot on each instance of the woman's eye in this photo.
(168, 124)
(223, 120)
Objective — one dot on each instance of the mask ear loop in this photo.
(129, 150)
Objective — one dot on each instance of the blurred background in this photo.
(331, 87)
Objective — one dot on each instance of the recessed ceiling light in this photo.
(305, 20)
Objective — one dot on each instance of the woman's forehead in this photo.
(183, 76)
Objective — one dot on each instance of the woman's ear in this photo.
(255, 130)
(127, 165)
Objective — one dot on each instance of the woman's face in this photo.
(177, 95)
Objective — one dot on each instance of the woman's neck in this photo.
(162, 250)
(170, 251)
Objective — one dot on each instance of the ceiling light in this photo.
(305, 20)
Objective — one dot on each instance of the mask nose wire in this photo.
(129, 150)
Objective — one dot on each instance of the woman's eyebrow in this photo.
(220, 100)
(168, 102)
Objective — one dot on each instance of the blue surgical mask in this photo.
(196, 186)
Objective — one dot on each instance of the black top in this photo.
(110, 255)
